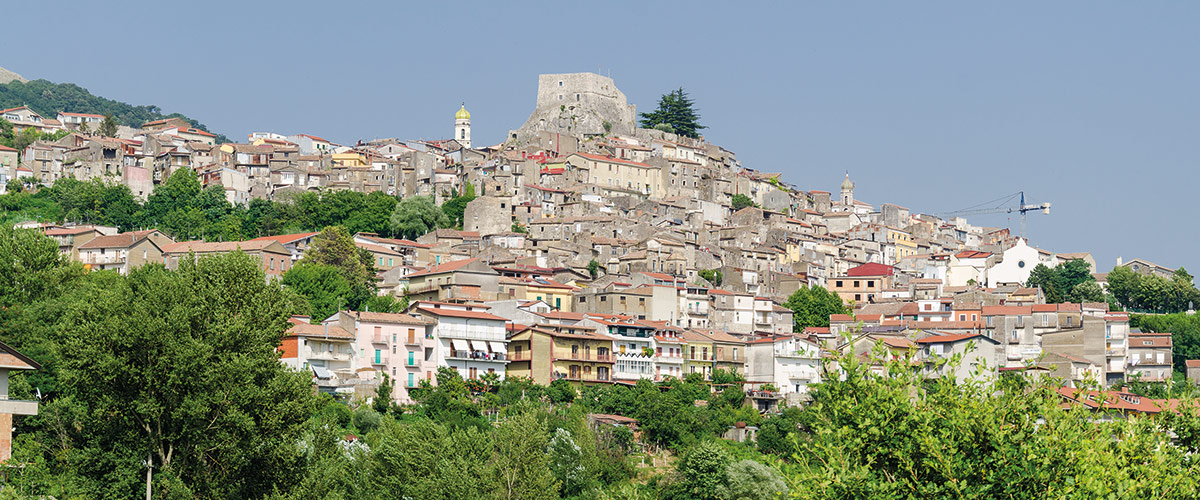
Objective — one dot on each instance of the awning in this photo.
(499, 347)
(479, 345)
(322, 372)
(459, 345)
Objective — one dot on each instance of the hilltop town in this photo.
(597, 251)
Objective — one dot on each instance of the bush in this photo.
(366, 419)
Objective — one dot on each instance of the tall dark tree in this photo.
(335, 247)
(676, 110)
(108, 127)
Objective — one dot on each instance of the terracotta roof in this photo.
(302, 328)
(6, 148)
(215, 246)
(89, 115)
(122, 240)
(377, 249)
(286, 238)
(63, 231)
(378, 317)
(896, 342)
(454, 313)
(944, 339)
(871, 269)
(1117, 400)
(1006, 310)
(1192, 363)
(448, 267)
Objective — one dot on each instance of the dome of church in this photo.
(846, 184)
(462, 114)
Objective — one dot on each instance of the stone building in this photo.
(578, 104)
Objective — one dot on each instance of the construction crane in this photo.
(1000, 208)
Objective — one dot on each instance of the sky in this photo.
(935, 106)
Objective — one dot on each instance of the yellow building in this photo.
(906, 246)
(350, 159)
(546, 353)
(697, 354)
(556, 294)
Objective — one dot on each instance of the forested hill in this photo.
(48, 98)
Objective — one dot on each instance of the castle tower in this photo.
(462, 126)
(847, 191)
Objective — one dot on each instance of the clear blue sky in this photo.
(935, 105)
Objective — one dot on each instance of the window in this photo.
(378, 356)
(410, 380)
(838, 284)
(858, 296)
(870, 284)
(962, 317)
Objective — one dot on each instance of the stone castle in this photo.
(578, 104)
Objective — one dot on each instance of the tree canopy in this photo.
(811, 306)
(678, 112)
(48, 98)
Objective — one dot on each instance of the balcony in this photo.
(328, 355)
(521, 356)
(587, 356)
(477, 355)
(94, 258)
(379, 360)
(1115, 351)
(379, 339)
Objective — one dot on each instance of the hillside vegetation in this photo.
(48, 98)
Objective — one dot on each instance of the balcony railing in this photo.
(379, 360)
(587, 356)
(478, 355)
(328, 355)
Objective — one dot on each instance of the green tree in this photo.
(750, 480)
(811, 306)
(423, 459)
(676, 109)
(1123, 284)
(703, 470)
(180, 367)
(518, 228)
(108, 127)
(561, 391)
(713, 276)
(416, 216)
(334, 247)
(383, 396)
(593, 268)
(741, 201)
(457, 205)
(324, 287)
(566, 463)
(520, 466)
(1089, 291)
(1047, 279)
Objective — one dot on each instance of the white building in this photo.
(789, 363)
(468, 339)
(1017, 263)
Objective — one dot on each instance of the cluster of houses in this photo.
(607, 253)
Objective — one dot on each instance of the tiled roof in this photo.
(448, 267)
(285, 238)
(454, 313)
(122, 240)
(216, 246)
(378, 317)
